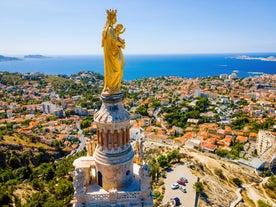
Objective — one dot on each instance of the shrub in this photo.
(63, 189)
(237, 181)
(156, 193)
(14, 162)
(271, 183)
(5, 198)
(200, 166)
(23, 172)
(48, 174)
(12, 182)
(160, 198)
(160, 182)
(163, 174)
(198, 187)
(221, 152)
(85, 123)
(37, 185)
(163, 161)
(270, 187)
(263, 204)
(220, 174)
(6, 175)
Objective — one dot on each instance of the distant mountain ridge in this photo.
(6, 58)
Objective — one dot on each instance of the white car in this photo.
(183, 189)
(174, 186)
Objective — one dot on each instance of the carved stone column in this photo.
(119, 138)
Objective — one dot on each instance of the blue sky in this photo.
(74, 27)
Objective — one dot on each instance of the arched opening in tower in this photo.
(100, 179)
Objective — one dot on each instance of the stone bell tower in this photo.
(114, 154)
(107, 176)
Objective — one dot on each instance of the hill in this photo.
(5, 58)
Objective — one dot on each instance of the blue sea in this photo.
(142, 66)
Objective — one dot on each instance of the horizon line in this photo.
(98, 54)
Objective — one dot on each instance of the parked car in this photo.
(175, 186)
(184, 179)
(177, 201)
(180, 182)
(183, 189)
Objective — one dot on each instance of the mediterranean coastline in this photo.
(143, 66)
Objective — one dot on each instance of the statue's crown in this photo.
(111, 12)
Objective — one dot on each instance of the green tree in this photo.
(237, 181)
(239, 123)
(55, 203)
(142, 110)
(6, 175)
(26, 122)
(163, 161)
(243, 102)
(37, 185)
(154, 169)
(271, 184)
(219, 173)
(155, 103)
(23, 172)
(85, 132)
(51, 118)
(56, 143)
(48, 173)
(236, 149)
(37, 199)
(156, 193)
(174, 155)
(85, 123)
(64, 189)
(198, 186)
(14, 162)
(201, 104)
(270, 187)
(69, 112)
(5, 199)
(221, 152)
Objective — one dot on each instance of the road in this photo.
(82, 140)
(156, 112)
(239, 198)
(186, 199)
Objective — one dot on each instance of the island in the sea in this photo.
(5, 58)
(245, 57)
(35, 56)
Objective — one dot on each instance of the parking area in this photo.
(186, 199)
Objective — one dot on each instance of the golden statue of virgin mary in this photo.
(113, 56)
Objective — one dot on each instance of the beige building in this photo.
(266, 148)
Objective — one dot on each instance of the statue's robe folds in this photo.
(113, 62)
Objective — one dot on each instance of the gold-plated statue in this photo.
(113, 56)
